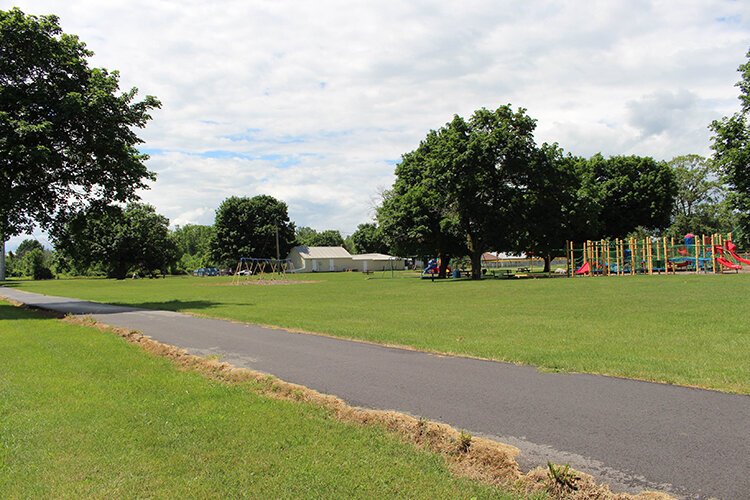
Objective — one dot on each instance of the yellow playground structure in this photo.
(620, 257)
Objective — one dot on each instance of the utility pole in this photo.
(2, 257)
(278, 256)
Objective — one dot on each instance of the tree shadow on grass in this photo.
(11, 312)
(84, 307)
(180, 305)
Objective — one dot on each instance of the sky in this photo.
(315, 102)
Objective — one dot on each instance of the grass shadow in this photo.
(12, 312)
(178, 305)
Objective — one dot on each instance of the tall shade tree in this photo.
(305, 235)
(731, 145)
(699, 204)
(632, 191)
(558, 205)
(695, 186)
(66, 131)
(246, 227)
(193, 244)
(28, 245)
(327, 238)
(368, 238)
(120, 241)
(472, 175)
(413, 216)
(308, 236)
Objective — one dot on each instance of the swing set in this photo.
(266, 271)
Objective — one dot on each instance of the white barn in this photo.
(368, 262)
(331, 259)
(320, 259)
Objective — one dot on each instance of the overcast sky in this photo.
(315, 102)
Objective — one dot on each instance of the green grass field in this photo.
(684, 329)
(85, 414)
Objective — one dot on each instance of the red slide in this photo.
(733, 251)
(724, 262)
(739, 259)
(584, 269)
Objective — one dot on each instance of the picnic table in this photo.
(501, 273)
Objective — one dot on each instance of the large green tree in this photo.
(66, 131)
(247, 227)
(193, 244)
(558, 206)
(700, 207)
(472, 175)
(312, 238)
(731, 145)
(135, 239)
(368, 238)
(35, 263)
(631, 191)
(28, 245)
(327, 238)
(695, 184)
(305, 235)
(413, 217)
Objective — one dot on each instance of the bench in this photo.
(501, 273)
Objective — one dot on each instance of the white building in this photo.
(320, 259)
(368, 262)
(330, 259)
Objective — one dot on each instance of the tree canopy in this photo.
(368, 238)
(119, 241)
(28, 245)
(310, 237)
(731, 145)
(66, 131)
(483, 184)
(413, 216)
(700, 206)
(461, 191)
(631, 191)
(193, 245)
(557, 205)
(246, 227)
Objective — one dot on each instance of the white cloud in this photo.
(316, 99)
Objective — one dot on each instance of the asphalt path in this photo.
(633, 435)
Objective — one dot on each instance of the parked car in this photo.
(206, 271)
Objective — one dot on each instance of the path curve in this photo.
(633, 435)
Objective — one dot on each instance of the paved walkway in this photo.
(692, 443)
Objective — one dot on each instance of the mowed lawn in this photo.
(85, 414)
(684, 329)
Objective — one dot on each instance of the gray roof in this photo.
(374, 256)
(323, 252)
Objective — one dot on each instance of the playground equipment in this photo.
(266, 270)
(704, 254)
(433, 269)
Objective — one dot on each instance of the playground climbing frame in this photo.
(699, 254)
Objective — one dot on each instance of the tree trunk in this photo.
(444, 260)
(119, 272)
(476, 265)
(2, 257)
(547, 261)
(476, 250)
